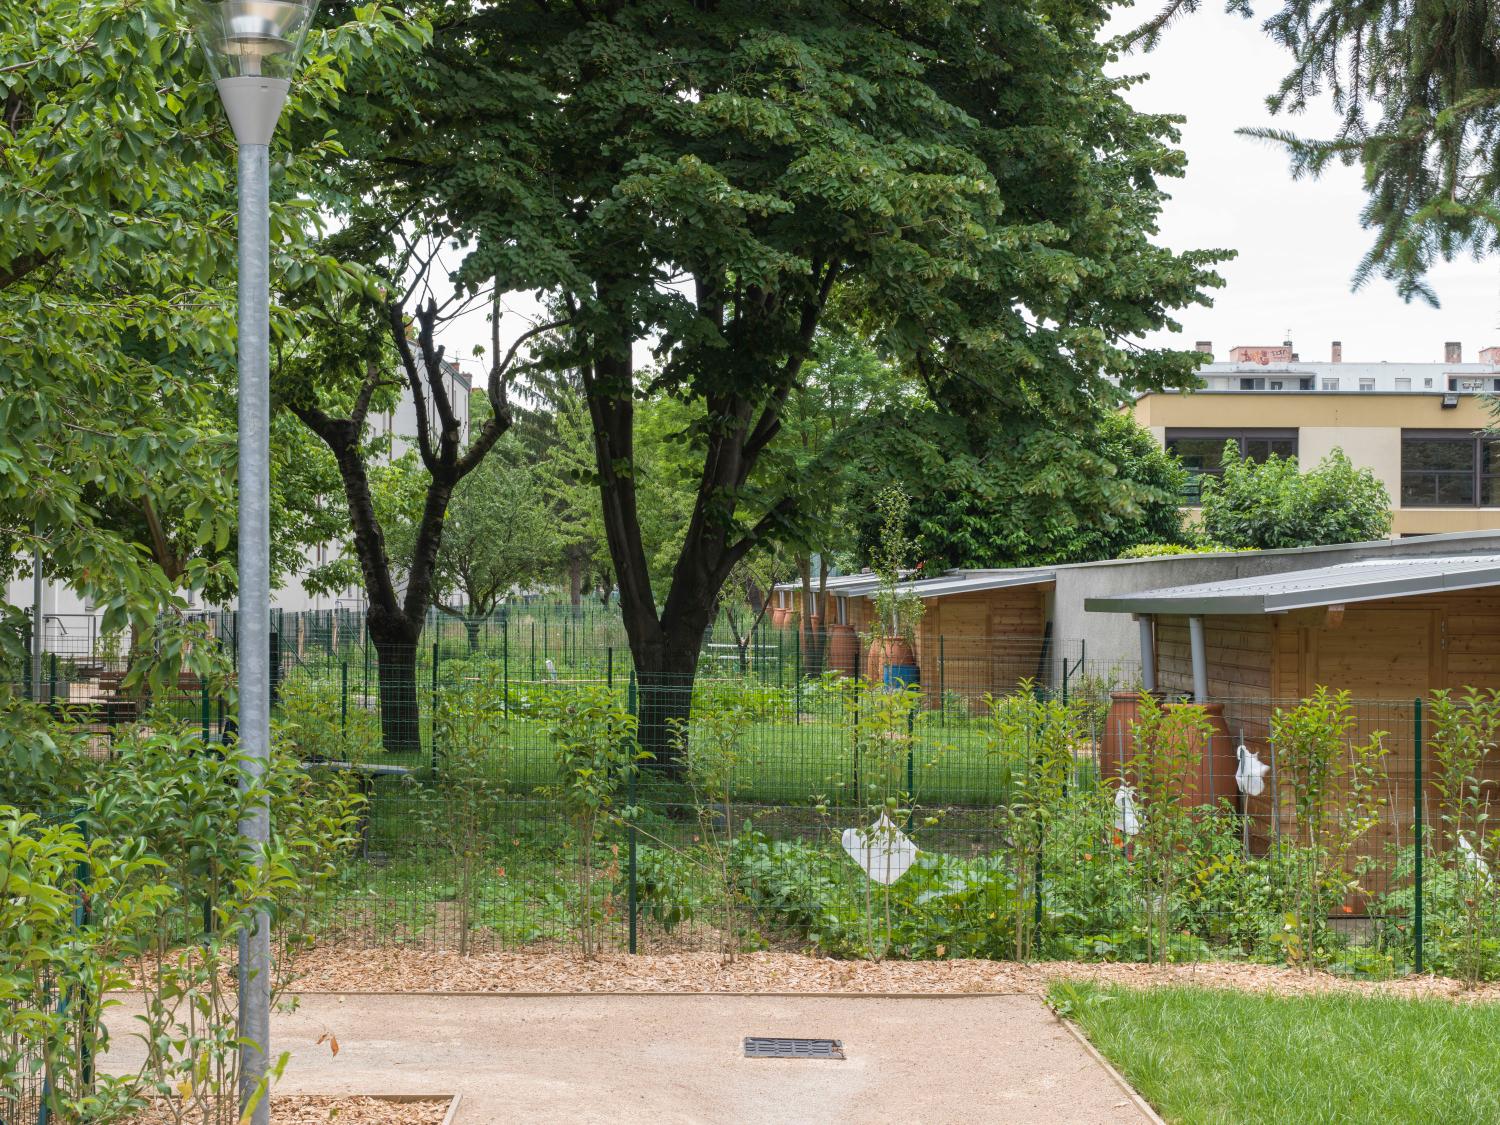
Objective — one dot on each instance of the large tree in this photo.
(116, 296)
(373, 348)
(1018, 492)
(709, 182)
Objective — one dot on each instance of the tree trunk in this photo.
(664, 699)
(575, 580)
(471, 627)
(396, 660)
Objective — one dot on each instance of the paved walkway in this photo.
(675, 1060)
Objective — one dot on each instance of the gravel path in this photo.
(355, 969)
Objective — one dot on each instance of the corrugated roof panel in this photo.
(1366, 580)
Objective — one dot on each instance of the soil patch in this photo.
(320, 1109)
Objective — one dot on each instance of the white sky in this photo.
(1298, 243)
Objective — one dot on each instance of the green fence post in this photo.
(432, 708)
(344, 697)
(797, 669)
(505, 658)
(1416, 928)
(203, 712)
(943, 677)
(631, 896)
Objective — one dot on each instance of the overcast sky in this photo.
(1298, 242)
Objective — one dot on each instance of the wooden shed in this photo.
(1388, 631)
(982, 631)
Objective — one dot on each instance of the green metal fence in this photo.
(465, 843)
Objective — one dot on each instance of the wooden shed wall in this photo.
(987, 641)
(1384, 653)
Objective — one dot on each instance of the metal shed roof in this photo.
(975, 581)
(944, 585)
(1363, 581)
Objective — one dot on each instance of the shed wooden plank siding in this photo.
(1394, 651)
(985, 642)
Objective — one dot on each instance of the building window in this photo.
(1403, 384)
(1367, 384)
(1202, 451)
(1447, 469)
(1427, 383)
(1252, 384)
(1330, 384)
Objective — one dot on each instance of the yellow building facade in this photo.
(1429, 447)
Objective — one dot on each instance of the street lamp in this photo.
(252, 48)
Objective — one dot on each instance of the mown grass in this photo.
(1219, 1057)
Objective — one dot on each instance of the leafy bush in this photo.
(167, 882)
(1273, 504)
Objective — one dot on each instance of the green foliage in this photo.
(593, 738)
(1334, 783)
(1034, 741)
(713, 756)
(894, 558)
(116, 296)
(1168, 743)
(1271, 504)
(966, 189)
(1464, 906)
(54, 973)
(151, 846)
(1159, 550)
(1023, 491)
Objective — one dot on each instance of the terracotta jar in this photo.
(893, 661)
(843, 649)
(1213, 778)
(779, 616)
(1118, 744)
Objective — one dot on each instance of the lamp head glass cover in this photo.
(253, 38)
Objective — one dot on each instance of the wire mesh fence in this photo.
(467, 840)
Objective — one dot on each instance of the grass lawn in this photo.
(1231, 1058)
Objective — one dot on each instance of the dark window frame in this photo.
(1240, 435)
(1476, 475)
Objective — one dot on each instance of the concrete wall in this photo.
(1115, 637)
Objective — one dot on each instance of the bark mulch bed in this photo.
(346, 968)
(339, 1109)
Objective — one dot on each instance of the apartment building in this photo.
(1420, 426)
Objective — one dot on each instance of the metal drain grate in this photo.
(760, 1048)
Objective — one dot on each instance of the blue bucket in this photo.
(900, 675)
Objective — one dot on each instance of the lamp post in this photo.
(252, 48)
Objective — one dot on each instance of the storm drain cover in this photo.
(759, 1048)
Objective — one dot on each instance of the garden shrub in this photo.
(593, 739)
(1034, 740)
(320, 721)
(1168, 742)
(1333, 780)
(1462, 901)
(169, 887)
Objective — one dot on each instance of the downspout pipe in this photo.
(1200, 660)
(1148, 651)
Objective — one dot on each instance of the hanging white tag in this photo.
(882, 849)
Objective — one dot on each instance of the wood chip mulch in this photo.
(318, 1109)
(346, 968)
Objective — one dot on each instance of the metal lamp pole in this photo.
(252, 48)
